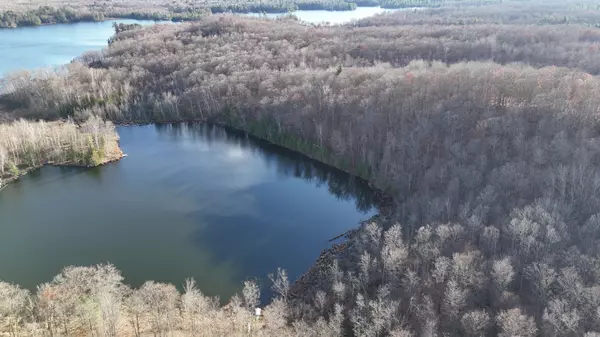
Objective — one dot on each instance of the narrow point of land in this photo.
(26, 146)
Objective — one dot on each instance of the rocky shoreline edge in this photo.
(319, 272)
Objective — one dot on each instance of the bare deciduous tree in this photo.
(561, 320)
(475, 323)
(160, 302)
(514, 323)
(13, 304)
(281, 283)
(502, 274)
(251, 294)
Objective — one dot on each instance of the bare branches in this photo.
(514, 323)
(493, 165)
(13, 308)
(281, 283)
(251, 294)
(26, 145)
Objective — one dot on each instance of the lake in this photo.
(188, 201)
(33, 47)
(331, 17)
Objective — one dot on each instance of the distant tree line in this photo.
(174, 11)
(283, 7)
(46, 15)
(126, 79)
(486, 135)
(584, 12)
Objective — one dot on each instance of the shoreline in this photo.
(81, 21)
(317, 273)
(386, 198)
(111, 159)
(317, 270)
(132, 16)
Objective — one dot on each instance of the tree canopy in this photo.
(482, 126)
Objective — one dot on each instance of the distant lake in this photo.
(52, 45)
(189, 201)
(331, 17)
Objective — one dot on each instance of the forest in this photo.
(35, 13)
(94, 301)
(480, 121)
(46, 15)
(585, 13)
(27, 145)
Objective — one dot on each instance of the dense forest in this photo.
(26, 145)
(508, 12)
(45, 15)
(93, 301)
(481, 123)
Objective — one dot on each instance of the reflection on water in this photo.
(189, 201)
(344, 186)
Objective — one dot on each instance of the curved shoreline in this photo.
(28, 145)
(6, 181)
(142, 16)
(315, 273)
